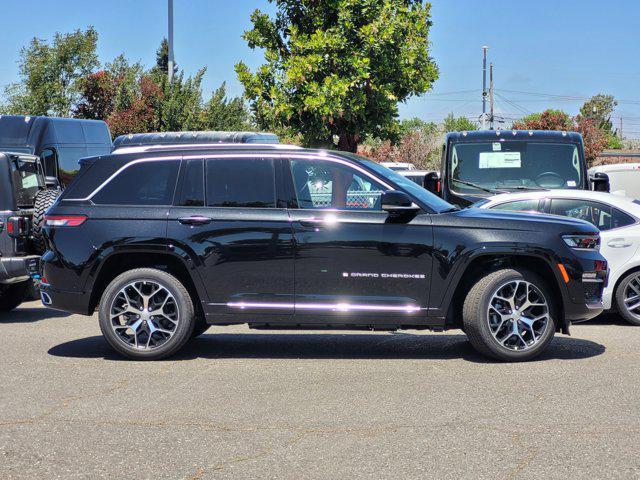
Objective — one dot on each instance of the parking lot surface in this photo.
(237, 403)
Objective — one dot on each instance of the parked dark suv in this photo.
(166, 241)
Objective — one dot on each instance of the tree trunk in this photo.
(348, 142)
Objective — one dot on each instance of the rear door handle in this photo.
(619, 243)
(195, 220)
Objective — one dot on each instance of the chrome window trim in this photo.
(228, 155)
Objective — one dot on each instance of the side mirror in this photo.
(600, 182)
(432, 182)
(396, 202)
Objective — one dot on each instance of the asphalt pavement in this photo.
(242, 404)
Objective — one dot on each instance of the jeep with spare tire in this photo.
(166, 241)
(38, 159)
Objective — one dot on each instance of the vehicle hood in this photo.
(533, 221)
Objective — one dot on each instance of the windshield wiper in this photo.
(479, 187)
(524, 187)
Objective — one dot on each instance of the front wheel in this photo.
(509, 315)
(628, 298)
(146, 314)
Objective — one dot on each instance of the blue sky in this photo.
(571, 48)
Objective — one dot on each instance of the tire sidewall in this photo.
(183, 300)
(491, 343)
(622, 309)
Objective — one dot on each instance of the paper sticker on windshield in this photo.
(500, 160)
(497, 146)
(30, 182)
(571, 183)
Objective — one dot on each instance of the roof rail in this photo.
(204, 137)
(200, 146)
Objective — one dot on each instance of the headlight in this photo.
(583, 242)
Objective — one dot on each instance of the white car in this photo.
(618, 219)
(624, 178)
(395, 166)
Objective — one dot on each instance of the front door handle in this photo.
(195, 220)
(619, 243)
(311, 222)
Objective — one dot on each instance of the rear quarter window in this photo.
(144, 183)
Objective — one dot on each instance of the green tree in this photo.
(162, 58)
(50, 74)
(337, 69)
(599, 109)
(222, 113)
(458, 124)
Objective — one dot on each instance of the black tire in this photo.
(43, 201)
(620, 297)
(476, 321)
(185, 322)
(11, 296)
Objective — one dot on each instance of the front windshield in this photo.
(437, 204)
(511, 165)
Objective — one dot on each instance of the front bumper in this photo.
(18, 269)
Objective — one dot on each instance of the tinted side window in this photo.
(621, 219)
(192, 194)
(322, 184)
(240, 182)
(145, 183)
(597, 214)
(519, 206)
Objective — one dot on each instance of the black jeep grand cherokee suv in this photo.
(166, 241)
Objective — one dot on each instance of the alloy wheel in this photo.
(518, 315)
(144, 314)
(632, 297)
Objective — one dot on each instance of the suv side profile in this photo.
(166, 241)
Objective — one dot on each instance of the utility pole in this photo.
(171, 63)
(621, 137)
(491, 96)
(484, 87)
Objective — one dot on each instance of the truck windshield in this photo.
(26, 181)
(514, 165)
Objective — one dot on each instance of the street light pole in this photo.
(484, 87)
(170, 41)
(491, 96)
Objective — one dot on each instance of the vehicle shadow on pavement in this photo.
(330, 346)
(608, 319)
(29, 315)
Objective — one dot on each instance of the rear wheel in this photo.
(43, 200)
(146, 314)
(509, 315)
(11, 296)
(628, 298)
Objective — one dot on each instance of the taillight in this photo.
(64, 220)
(439, 186)
(587, 241)
(17, 226)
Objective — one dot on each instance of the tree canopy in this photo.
(338, 69)
(50, 74)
